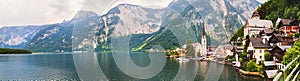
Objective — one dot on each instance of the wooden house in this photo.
(288, 27)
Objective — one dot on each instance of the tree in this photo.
(296, 35)
(268, 56)
(291, 54)
(239, 33)
(172, 52)
(251, 66)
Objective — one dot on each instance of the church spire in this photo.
(203, 31)
(255, 15)
(203, 41)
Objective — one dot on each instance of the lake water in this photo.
(116, 66)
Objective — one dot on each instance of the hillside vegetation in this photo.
(288, 9)
(13, 51)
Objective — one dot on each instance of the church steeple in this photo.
(203, 31)
(255, 15)
(203, 41)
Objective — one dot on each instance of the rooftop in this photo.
(258, 43)
(289, 22)
(271, 73)
(270, 63)
(260, 23)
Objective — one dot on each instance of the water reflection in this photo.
(187, 71)
(69, 67)
(87, 67)
(37, 67)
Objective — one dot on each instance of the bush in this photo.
(268, 56)
(252, 67)
(296, 35)
(172, 52)
(239, 33)
(232, 58)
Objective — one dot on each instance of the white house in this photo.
(257, 48)
(254, 25)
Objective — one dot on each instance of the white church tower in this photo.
(203, 42)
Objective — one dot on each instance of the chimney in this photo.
(264, 41)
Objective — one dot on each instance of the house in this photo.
(220, 53)
(229, 50)
(257, 48)
(270, 70)
(278, 40)
(254, 25)
(278, 52)
(180, 51)
(239, 41)
(267, 32)
(211, 50)
(288, 27)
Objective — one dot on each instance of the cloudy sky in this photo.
(37, 12)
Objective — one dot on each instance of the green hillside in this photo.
(287, 9)
(13, 51)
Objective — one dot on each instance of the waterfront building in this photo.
(254, 25)
(220, 53)
(211, 50)
(229, 50)
(270, 70)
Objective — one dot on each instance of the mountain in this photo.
(58, 37)
(17, 36)
(126, 19)
(168, 26)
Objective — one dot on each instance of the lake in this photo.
(113, 66)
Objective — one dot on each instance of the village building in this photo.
(229, 50)
(239, 41)
(281, 40)
(257, 48)
(238, 49)
(220, 53)
(288, 27)
(180, 51)
(255, 25)
(278, 52)
(203, 42)
(270, 70)
(267, 32)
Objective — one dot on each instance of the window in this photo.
(260, 51)
(260, 57)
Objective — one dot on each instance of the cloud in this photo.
(38, 12)
(35, 12)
